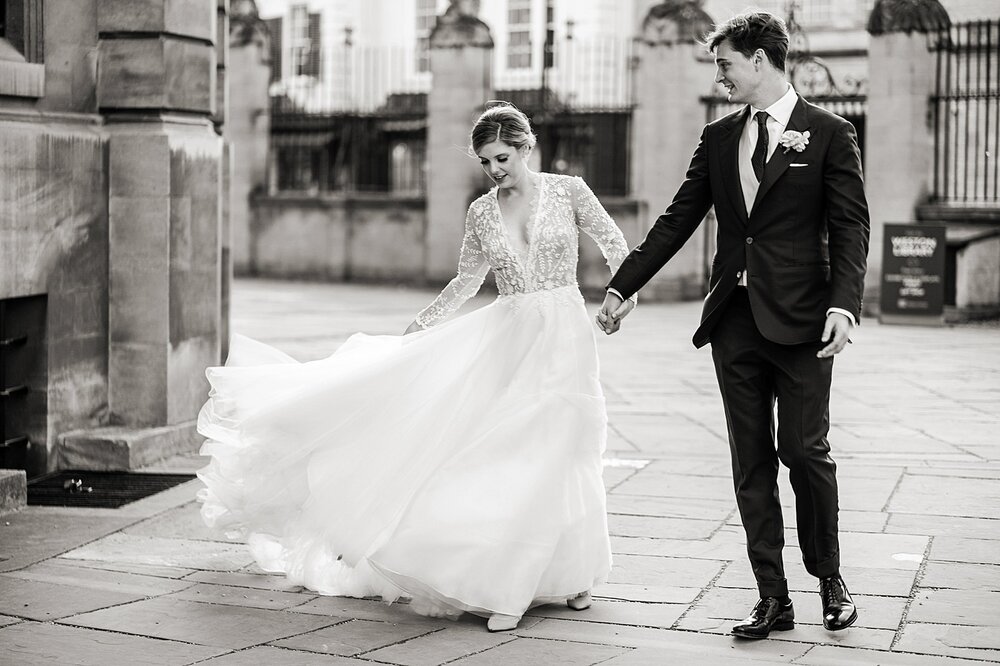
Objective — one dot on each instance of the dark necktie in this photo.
(759, 158)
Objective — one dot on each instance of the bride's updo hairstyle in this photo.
(502, 122)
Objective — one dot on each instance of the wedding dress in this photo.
(459, 466)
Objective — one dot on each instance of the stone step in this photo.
(121, 448)
(13, 490)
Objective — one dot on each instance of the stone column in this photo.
(673, 72)
(899, 150)
(248, 127)
(461, 64)
(157, 92)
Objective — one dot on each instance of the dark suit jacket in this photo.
(805, 241)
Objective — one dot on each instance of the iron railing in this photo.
(966, 111)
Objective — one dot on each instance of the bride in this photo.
(458, 465)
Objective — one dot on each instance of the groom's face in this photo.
(739, 74)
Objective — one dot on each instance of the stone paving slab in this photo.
(661, 507)
(666, 594)
(823, 655)
(127, 567)
(938, 495)
(856, 637)
(652, 526)
(37, 644)
(959, 607)
(38, 533)
(880, 582)
(641, 569)
(626, 636)
(233, 627)
(183, 522)
(353, 637)
(961, 576)
(605, 611)
(243, 579)
(47, 601)
(242, 596)
(953, 641)
(678, 486)
(957, 549)
(949, 526)
(710, 549)
(535, 651)
(274, 656)
(164, 552)
(67, 572)
(439, 647)
(7, 619)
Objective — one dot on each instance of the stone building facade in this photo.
(112, 187)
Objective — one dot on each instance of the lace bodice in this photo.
(564, 206)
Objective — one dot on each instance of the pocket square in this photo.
(797, 165)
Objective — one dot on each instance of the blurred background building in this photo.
(150, 153)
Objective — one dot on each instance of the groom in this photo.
(785, 292)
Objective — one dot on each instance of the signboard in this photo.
(913, 265)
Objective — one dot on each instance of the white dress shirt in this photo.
(778, 115)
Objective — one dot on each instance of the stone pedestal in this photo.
(899, 150)
(13, 490)
(461, 63)
(673, 72)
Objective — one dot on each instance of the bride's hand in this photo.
(413, 328)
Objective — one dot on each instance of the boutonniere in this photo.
(792, 140)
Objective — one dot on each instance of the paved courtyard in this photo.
(916, 435)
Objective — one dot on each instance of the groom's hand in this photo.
(613, 310)
(837, 333)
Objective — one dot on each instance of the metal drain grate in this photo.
(108, 490)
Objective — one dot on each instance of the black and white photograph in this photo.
(499, 332)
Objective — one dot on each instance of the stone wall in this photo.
(111, 194)
(54, 242)
(377, 238)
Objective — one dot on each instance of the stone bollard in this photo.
(899, 150)
(461, 64)
(673, 72)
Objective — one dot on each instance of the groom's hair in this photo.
(750, 31)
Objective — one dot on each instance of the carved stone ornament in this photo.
(460, 25)
(245, 24)
(676, 22)
(909, 16)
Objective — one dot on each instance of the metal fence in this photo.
(966, 110)
(357, 121)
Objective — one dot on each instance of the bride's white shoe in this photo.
(580, 601)
(500, 622)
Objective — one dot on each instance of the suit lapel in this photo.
(781, 158)
(729, 148)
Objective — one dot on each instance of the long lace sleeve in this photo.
(596, 223)
(472, 269)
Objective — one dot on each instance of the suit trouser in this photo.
(754, 374)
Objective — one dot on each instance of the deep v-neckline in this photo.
(505, 231)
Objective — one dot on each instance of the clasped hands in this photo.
(613, 310)
(836, 331)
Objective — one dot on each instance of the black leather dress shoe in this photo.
(769, 614)
(839, 611)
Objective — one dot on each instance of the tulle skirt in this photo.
(458, 466)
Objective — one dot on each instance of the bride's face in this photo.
(503, 163)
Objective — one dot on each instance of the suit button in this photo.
(749, 240)
(739, 274)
